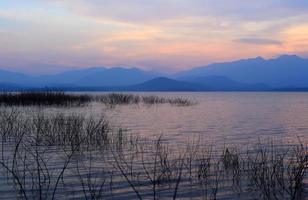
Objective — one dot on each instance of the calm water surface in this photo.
(221, 118)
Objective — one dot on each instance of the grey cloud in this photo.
(259, 41)
(148, 10)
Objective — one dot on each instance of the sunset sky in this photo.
(43, 36)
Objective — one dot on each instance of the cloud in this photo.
(259, 41)
(161, 34)
(141, 11)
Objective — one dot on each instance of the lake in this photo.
(219, 117)
(225, 145)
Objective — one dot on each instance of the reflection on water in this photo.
(114, 169)
(229, 117)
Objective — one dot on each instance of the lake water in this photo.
(219, 117)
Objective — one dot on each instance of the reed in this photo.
(41, 154)
(43, 99)
(150, 100)
(51, 98)
(118, 98)
(124, 99)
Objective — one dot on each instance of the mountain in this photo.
(91, 77)
(166, 84)
(99, 76)
(284, 71)
(116, 77)
(287, 72)
(190, 84)
(12, 87)
(211, 83)
(221, 83)
(7, 77)
(69, 77)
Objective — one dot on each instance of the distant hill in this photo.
(288, 72)
(284, 71)
(116, 77)
(91, 77)
(221, 83)
(211, 83)
(98, 77)
(11, 87)
(8, 77)
(69, 77)
(166, 84)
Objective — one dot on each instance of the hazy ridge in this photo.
(287, 72)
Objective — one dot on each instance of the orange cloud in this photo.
(296, 38)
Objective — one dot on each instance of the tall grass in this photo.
(264, 172)
(118, 99)
(43, 99)
(162, 100)
(65, 99)
(55, 155)
(33, 144)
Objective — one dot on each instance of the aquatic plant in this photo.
(54, 98)
(45, 156)
(48, 98)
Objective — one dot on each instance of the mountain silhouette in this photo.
(116, 77)
(284, 71)
(166, 84)
(8, 77)
(91, 77)
(222, 83)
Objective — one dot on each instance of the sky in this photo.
(48, 36)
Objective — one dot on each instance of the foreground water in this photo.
(217, 119)
(222, 118)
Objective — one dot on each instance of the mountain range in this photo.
(286, 72)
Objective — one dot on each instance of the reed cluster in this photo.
(43, 99)
(264, 172)
(70, 156)
(120, 99)
(67, 100)
(161, 100)
(37, 149)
